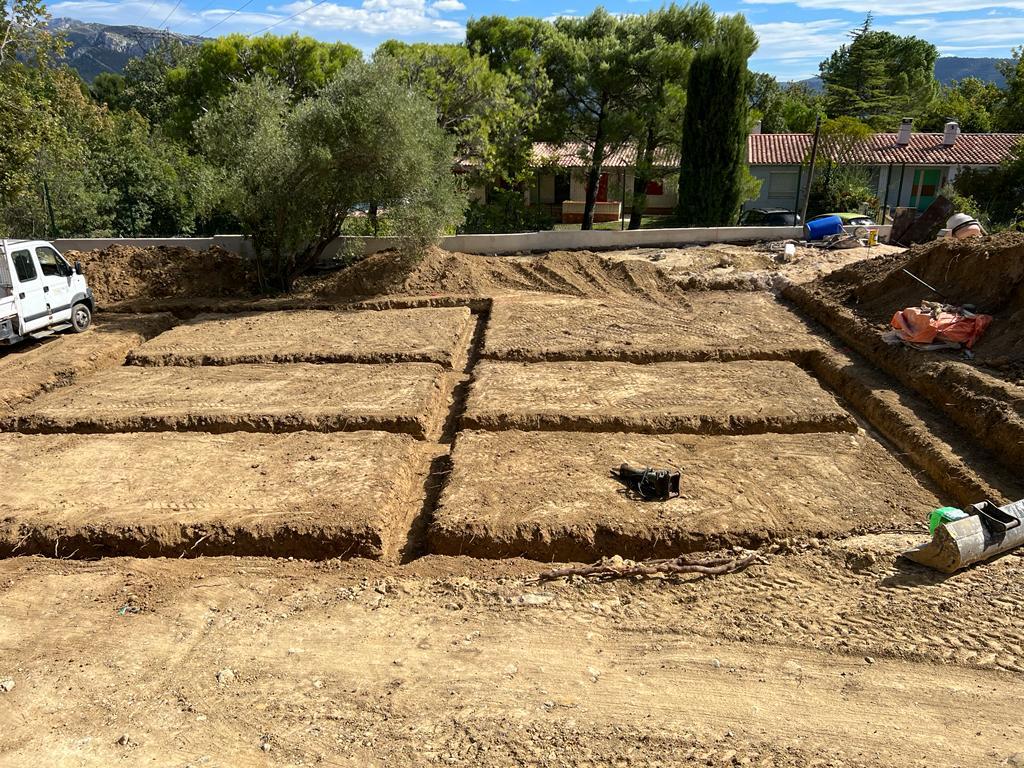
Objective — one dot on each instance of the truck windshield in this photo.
(24, 265)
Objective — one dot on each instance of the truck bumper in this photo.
(8, 331)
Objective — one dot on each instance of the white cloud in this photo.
(986, 33)
(372, 18)
(894, 8)
(792, 50)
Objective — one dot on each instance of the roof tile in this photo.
(882, 149)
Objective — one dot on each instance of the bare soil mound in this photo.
(577, 273)
(986, 272)
(121, 272)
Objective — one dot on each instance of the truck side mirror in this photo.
(78, 268)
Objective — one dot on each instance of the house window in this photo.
(655, 187)
(782, 184)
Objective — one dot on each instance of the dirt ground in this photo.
(305, 494)
(982, 394)
(422, 336)
(654, 274)
(742, 397)
(985, 272)
(833, 655)
(263, 597)
(402, 397)
(723, 263)
(35, 367)
(708, 325)
(551, 495)
(121, 273)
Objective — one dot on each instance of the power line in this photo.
(148, 11)
(282, 21)
(218, 23)
(169, 15)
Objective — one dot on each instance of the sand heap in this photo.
(436, 272)
(121, 273)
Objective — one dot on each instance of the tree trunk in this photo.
(641, 176)
(594, 175)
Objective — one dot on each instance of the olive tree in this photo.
(292, 172)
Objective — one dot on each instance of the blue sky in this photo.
(795, 34)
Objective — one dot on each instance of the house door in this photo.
(602, 189)
(563, 187)
(927, 182)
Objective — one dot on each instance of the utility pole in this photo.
(810, 173)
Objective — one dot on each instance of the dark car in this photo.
(770, 217)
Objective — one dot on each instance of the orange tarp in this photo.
(922, 326)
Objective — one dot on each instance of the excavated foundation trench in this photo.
(488, 426)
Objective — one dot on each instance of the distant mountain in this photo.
(96, 48)
(948, 69)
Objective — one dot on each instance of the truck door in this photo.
(29, 291)
(56, 282)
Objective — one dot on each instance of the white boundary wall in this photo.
(523, 242)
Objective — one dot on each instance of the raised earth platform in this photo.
(709, 325)
(171, 494)
(315, 336)
(741, 397)
(550, 495)
(30, 368)
(401, 397)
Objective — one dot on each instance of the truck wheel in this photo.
(81, 317)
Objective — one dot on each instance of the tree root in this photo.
(617, 568)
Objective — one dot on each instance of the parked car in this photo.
(770, 217)
(849, 219)
(40, 293)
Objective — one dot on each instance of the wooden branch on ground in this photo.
(616, 567)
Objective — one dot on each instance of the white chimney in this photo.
(952, 133)
(757, 128)
(906, 126)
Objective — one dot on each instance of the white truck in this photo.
(40, 293)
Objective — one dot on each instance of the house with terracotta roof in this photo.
(560, 181)
(907, 168)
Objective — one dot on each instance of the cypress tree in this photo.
(715, 127)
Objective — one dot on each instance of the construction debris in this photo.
(617, 568)
(987, 530)
(648, 483)
(938, 326)
(962, 226)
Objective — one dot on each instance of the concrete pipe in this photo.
(973, 539)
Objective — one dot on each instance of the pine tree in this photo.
(715, 127)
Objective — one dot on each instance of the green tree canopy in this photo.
(175, 84)
(661, 47)
(483, 109)
(879, 77)
(715, 128)
(1010, 112)
(588, 61)
(971, 102)
(792, 108)
(293, 172)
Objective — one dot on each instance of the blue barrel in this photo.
(819, 229)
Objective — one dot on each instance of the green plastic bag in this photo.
(944, 515)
